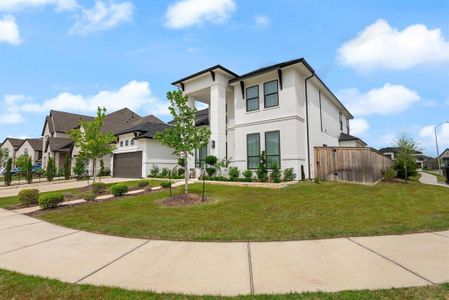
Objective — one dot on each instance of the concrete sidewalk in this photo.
(54, 186)
(430, 179)
(32, 246)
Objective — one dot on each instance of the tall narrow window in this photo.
(252, 98)
(340, 117)
(253, 150)
(321, 111)
(273, 147)
(25, 152)
(201, 156)
(347, 126)
(271, 95)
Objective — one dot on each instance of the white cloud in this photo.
(427, 137)
(60, 5)
(102, 16)
(11, 109)
(186, 13)
(9, 31)
(358, 126)
(262, 21)
(389, 99)
(135, 95)
(379, 46)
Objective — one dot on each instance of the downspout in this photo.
(307, 125)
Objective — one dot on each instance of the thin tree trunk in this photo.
(186, 174)
(94, 161)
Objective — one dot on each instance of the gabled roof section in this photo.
(204, 72)
(146, 130)
(16, 143)
(201, 117)
(150, 118)
(60, 144)
(119, 120)
(344, 137)
(36, 144)
(64, 121)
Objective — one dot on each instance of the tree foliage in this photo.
(50, 171)
(22, 161)
(8, 176)
(183, 136)
(4, 154)
(79, 167)
(93, 143)
(405, 160)
(67, 167)
(28, 171)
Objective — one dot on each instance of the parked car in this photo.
(16, 171)
(36, 168)
(2, 170)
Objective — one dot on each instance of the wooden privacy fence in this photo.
(352, 164)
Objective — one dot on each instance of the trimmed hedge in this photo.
(89, 196)
(28, 197)
(119, 189)
(165, 184)
(143, 183)
(50, 200)
(98, 187)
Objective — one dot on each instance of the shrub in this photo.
(409, 168)
(221, 178)
(67, 167)
(143, 183)
(154, 172)
(316, 180)
(98, 187)
(275, 175)
(51, 169)
(262, 170)
(50, 200)
(8, 176)
(102, 171)
(29, 171)
(28, 197)
(119, 189)
(79, 168)
(248, 174)
(211, 160)
(181, 172)
(390, 174)
(181, 161)
(165, 184)
(289, 174)
(211, 171)
(234, 173)
(89, 196)
(164, 172)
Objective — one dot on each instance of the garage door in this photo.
(128, 165)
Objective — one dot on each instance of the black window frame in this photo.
(121, 143)
(253, 98)
(279, 147)
(200, 163)
(270, 94)
(348, 128)
(126, 143)
(132, 142)
(340, 117)
(252, 156)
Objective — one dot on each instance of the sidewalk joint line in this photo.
(392, 261)
(31, 245)
(436, 233)
(113, 261)
(250, 269)
(21, 225)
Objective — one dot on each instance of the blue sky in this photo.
(388, 61)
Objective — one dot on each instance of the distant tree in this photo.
(67, 167)
(93, 143)
(102, 169)
(183, 136)
(28, 171)
(4, 154)
(51, 169)
(262, 169)
(8, 176)
(22, 161)
(405, 160)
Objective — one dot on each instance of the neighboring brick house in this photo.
(347, 140)
(32, 148)
(11, 145)
(422, 161)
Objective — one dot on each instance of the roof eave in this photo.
(204, 72)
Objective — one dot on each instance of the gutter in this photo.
(307, 124)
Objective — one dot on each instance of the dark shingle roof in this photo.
(201, 117)
(119, 120)
(36, 144)
(16, 143)
(145, 130)
(393, 150)
(60, 144)
(344, 137)
(64, 121)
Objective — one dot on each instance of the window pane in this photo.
(274, 159)
(253, 162)
(252, 92)
(253, 145)
(253, 104)
(271, 100)
(272, 143)
(271, 87)
(203, 152)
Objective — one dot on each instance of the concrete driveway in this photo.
(430, 179)
(32, 246)
(53, 186)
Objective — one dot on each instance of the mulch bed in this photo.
(183, 200)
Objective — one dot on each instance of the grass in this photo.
(16, 286)
(301, 211)
(6, 202)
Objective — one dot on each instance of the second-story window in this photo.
(25, 152)
(132, 142)
(121, 143)
(347, 126)
(126, 143)
(271, 94)
(340, 118)
(252, 98)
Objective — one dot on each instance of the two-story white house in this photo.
(33, 149)
(284, 109)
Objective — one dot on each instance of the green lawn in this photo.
(17, 286)
(301, 211)
(6, 202)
